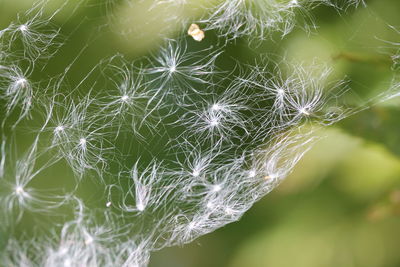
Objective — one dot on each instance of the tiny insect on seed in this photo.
(196, 32)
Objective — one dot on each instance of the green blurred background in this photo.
(341, 205)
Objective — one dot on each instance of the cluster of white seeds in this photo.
(141, 156)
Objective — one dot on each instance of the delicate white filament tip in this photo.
(140, 207)
(216, 188)
(82, 142)
(214, 122)
(23, 28)
(304, 111)
(59, 128)
(19, 190)
(252, 174)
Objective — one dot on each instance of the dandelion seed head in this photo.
(59, 128)
(89, 240)
(192, 225)
(216, 107)
(67, 262)
(82, 142)
(19, 190)
(252, 174)
(21, 81)
(214, 122)
(140, 207)
(229, 211)
(23, 28)
(304, 111)
(216, 188)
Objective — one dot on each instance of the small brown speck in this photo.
(196, 32)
